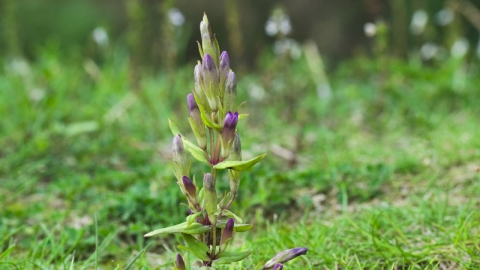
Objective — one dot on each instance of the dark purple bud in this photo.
(278, 266)
(285, 256)
(228, 231)
(179, 263)
(189, 187)
(224, 62)
(229, 125)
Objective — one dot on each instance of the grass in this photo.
(383, 175)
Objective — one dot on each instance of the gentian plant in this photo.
(209, 228)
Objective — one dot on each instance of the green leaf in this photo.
(194, 228)
(232, 215)
(191, 218)
(238, 165)
(242, 116)
(206, 119)
(199, 249)
(196, 151)
(227, 257)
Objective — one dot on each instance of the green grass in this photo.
(385, 174)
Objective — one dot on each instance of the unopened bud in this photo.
(230, 95)
(228, 231)
(223, 69)
(196, 122)
(179, 155)
(179, 263)
(278, 266)
(236, 152)
(210, 197)
(210, 81)
(285, 256)
(208, 40)
(189, 187)
(228, 132)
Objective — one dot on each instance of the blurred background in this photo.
(356, 102)
(148, 28)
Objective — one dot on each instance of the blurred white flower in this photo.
(285, 26)
(176, 17)
(37, 94)
(289, 46)
(445, 16)
(271, 27)
(278, 23)
(18, 66)
(370, 29)
(460, 48)
(100, 36)
(324, 91)
(428, 51)
(256, 92)
(419, 21)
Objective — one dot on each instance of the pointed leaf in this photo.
(242, 116)
(194, 228)
(229, 214)
(228, 257)
(196, 151)
(199, 249)
(238, 165)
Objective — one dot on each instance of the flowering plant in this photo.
(209, 228)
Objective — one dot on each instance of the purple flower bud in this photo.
(278, 266)
(228, 231)
(196, 122)
(192, 104)
(179, 263)
(224, 63)
(208, 64)
(231, 120)
(189, 187)
(228, 132)
(285, 256)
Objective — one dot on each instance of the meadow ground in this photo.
(380, 173)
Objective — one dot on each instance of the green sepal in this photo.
(207, 121)
(200, 50)
(196, 151)
(242, 116)
(227, 257)
(191, 218)
(193, 228)
(238, 165)
(198, 248)
(230, 214)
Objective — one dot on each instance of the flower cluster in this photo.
(212, 106)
